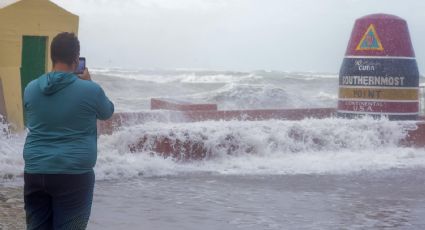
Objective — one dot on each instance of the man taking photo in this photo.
(60, 151)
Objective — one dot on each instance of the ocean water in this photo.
(275, 174)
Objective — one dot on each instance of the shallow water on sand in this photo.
(386, 199)
(391, 199)
(11, 208)
(357, 177)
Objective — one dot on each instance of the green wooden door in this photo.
(33, 62)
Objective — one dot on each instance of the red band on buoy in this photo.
(380, 35)
(371, 107)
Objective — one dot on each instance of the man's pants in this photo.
(58, 201)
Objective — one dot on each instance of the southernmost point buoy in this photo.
(379, 75)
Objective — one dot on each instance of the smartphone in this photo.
(81, 65)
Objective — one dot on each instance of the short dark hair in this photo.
(65, 48)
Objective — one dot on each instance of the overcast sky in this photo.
(285, 35)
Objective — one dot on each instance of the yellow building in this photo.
(27, 28)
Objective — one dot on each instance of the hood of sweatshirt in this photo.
(53, 82)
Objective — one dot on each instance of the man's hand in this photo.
(85, 75)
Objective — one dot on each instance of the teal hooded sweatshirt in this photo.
(61, 112)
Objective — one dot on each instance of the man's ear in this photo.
(75, 64)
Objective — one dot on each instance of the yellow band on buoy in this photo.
(379, 93)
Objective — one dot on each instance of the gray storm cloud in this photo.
(288, 35)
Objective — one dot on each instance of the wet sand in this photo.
(11, 208)
(392, 199)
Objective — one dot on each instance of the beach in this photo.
(341, 174)
(390, 199)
